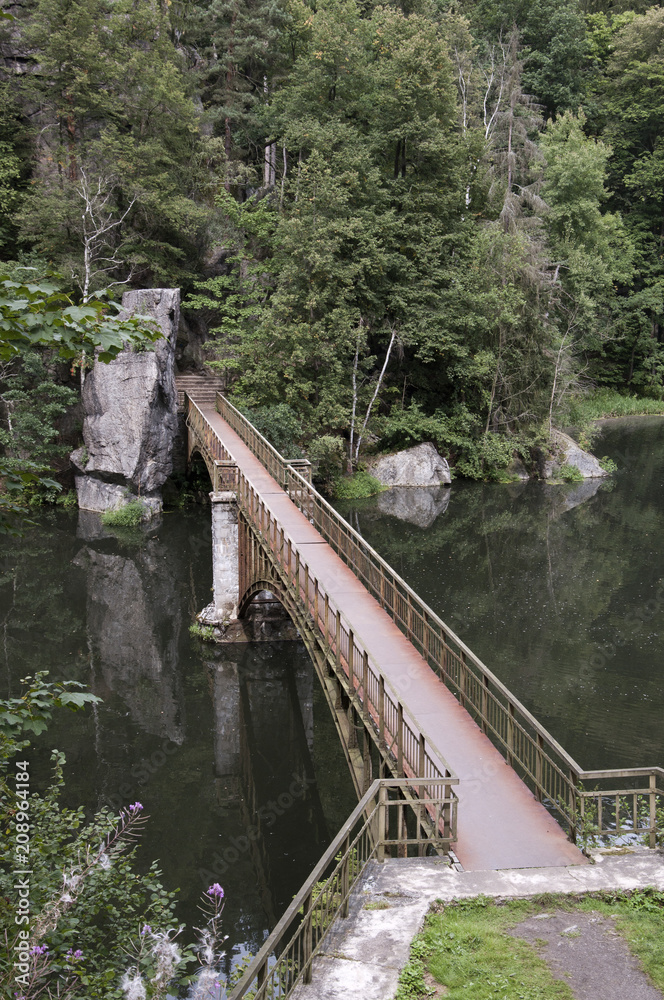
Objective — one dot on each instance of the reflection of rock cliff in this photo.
(130, 418)
(419, 505)
(133, 620)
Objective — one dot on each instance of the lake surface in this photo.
(558, 589)
(232, 750)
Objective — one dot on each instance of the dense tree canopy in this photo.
(436, 219)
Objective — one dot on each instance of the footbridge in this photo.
(419, 712)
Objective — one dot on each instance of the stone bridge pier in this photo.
(225, 561)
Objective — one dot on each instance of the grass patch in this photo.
(465, 946)
(609, 403)
(203, 632)
(128, 516)
(356, 487)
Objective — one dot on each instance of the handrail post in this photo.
(510, 733)
(337, 652)
(365, 686)
(381, 713)
(485, 702)
(316, 603)
(307, 943)
(381, 835)
(345, 878)
(572, 805)
(652, 784)
(539, 767)
(400, 773)
(327, 620)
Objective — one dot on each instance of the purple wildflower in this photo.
(136, 807)
(146, 930)
(215, 891)
(74, 956)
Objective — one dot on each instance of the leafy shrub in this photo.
(356, 487)
(327, 453)
(204, 632)
(570, 474)
(608, 464)
(130, 515)
(279, 424)
(460, 436)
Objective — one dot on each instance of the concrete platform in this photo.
(365, 953)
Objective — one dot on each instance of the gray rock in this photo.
(569, 453)
(130, 414)
(419, 505)
(418, 466)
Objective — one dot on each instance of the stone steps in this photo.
(202, 389)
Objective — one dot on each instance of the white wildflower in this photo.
(167, 955)
(132, 986)
(66, 897)
(207, 985)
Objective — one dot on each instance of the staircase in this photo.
(201, 387)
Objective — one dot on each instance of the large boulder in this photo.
(418, 466)
(568, 452)
(130, 414)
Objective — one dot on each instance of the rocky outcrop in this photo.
(130, 414)
(568, 452)
(418, 466)
(419, 505)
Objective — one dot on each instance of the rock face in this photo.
(130, 408)
(568, 452)
(419, 505)
(418, 466)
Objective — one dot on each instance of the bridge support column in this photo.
(225, 561)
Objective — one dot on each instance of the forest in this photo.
(428, 220)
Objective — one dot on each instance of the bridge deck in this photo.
(500, 822)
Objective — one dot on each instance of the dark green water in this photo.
(231, 750)
(558, 589)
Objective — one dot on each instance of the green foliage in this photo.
(87, 903)
(40, 313)
(356, 487)
(570, 474)
(280, 424)
(327, 453)
(203, 632)
(609, 403)
(473, 454)
(32, 712)
(412, 985)
(130, 515)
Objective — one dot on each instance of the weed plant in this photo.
(128, 516)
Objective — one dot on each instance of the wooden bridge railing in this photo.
(376, 702)
(371, 831)
(275, 463)
(527, 746)
(555, 777)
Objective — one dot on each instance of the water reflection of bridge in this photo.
(391, 666)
